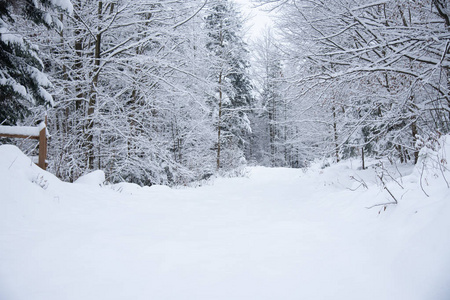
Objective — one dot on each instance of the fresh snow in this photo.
(65, 5)
(272, 234)
(22, 130)
(18, 88)
(93, 178)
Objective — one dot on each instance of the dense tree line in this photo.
(375, 73)
(158, 91)
(149, 91)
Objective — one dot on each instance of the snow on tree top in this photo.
(64, 4)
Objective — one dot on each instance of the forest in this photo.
(168, 91)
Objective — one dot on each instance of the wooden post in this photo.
(43, 147)
(362, 158)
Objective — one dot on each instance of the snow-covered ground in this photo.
(273, 234)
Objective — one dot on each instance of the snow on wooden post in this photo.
(27, 132)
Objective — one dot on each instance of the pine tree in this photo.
(234, 90)
(22, 81)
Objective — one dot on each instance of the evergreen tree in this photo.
(233, 96)
(22, 81)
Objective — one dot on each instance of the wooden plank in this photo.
(20, 136)
(20, 131)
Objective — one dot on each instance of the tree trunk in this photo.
(93, 94)
(414, 136)
(363, 163)
(78, 65)
(336, 144)
(219, 121)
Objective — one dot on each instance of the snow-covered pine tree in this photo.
(22, 81)
(229, 70)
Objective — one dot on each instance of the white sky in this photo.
(257, 19)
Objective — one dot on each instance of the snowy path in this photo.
(278, 234)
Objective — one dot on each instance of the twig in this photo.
(421, 186)
(361, 183)
(381, 204)
(441, 164)
(398, 171)
(384, 186)
(12, 162)
(392, 177)
(396, 202)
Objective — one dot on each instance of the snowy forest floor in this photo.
(273, 234)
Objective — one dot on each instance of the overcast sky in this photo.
(257, 19)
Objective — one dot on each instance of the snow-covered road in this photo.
(274, 234)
